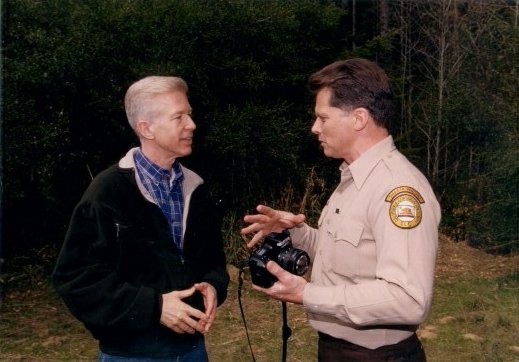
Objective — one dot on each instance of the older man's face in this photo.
(172, 126)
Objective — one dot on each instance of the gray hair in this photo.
(138, 100)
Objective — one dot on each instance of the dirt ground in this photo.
(36, 325)
(457, 260)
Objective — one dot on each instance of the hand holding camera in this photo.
(278, 248)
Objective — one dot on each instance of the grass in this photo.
(36, 326)
(473, 318)
(228, 341)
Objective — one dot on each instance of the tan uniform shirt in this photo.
(374, 251)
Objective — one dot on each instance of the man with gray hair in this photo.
(142, 265)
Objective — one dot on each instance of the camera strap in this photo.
(240, 284)
(286, 330)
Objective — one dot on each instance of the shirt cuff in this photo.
(327, 300)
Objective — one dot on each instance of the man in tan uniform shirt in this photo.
(375, 246)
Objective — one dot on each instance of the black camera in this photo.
(277, 247)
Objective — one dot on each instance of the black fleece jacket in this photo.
(118, 259)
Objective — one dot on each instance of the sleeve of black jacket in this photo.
(204, 244)
(85, 277)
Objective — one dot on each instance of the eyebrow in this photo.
(321, 115)
(180, 113)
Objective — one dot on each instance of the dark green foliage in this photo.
(69, 63)
(457, 84)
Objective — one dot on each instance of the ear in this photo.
(145, 129)
(361, 118)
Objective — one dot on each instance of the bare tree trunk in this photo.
(384, 16)
(404, 64)
(516, 11)
(471, 157)
(353, 23)
(442, 47)
(429, 151)
(406, 70)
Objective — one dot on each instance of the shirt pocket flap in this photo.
(350, 232)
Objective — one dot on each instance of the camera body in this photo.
(277, 247)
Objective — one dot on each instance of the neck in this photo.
(156, 156)
(365, 141)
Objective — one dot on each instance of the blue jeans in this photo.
(197, 354)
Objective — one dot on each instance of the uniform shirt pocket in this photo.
(346, 254)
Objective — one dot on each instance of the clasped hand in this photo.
(181, 317)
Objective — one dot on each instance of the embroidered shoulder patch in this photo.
(405, 210)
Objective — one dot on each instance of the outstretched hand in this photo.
(269, 220)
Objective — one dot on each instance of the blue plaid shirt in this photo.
(165, 190)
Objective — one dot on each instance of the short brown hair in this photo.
(357, 83)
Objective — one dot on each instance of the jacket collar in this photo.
(191, 179)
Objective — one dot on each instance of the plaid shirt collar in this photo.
(154, 173)
(165, 190)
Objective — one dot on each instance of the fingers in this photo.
(179, 316)
(255, 239)
(268, 220)
(211, 314)
(288, 287)
(210, 302)
(254, 227)
(185, 322)
(257, 218)
(193, 320)
(183, 327)
(181, 294)
(209, 294)
(260, 224)
(298, 219)
(274, 268)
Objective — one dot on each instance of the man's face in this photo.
(333, 127)
(172, 126)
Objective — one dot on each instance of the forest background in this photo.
(66, 65)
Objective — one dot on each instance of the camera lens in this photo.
(302, 264)
(294, 260)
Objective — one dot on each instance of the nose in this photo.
(316, 127)
(191, 124)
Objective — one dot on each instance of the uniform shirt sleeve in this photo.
(305, 237)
